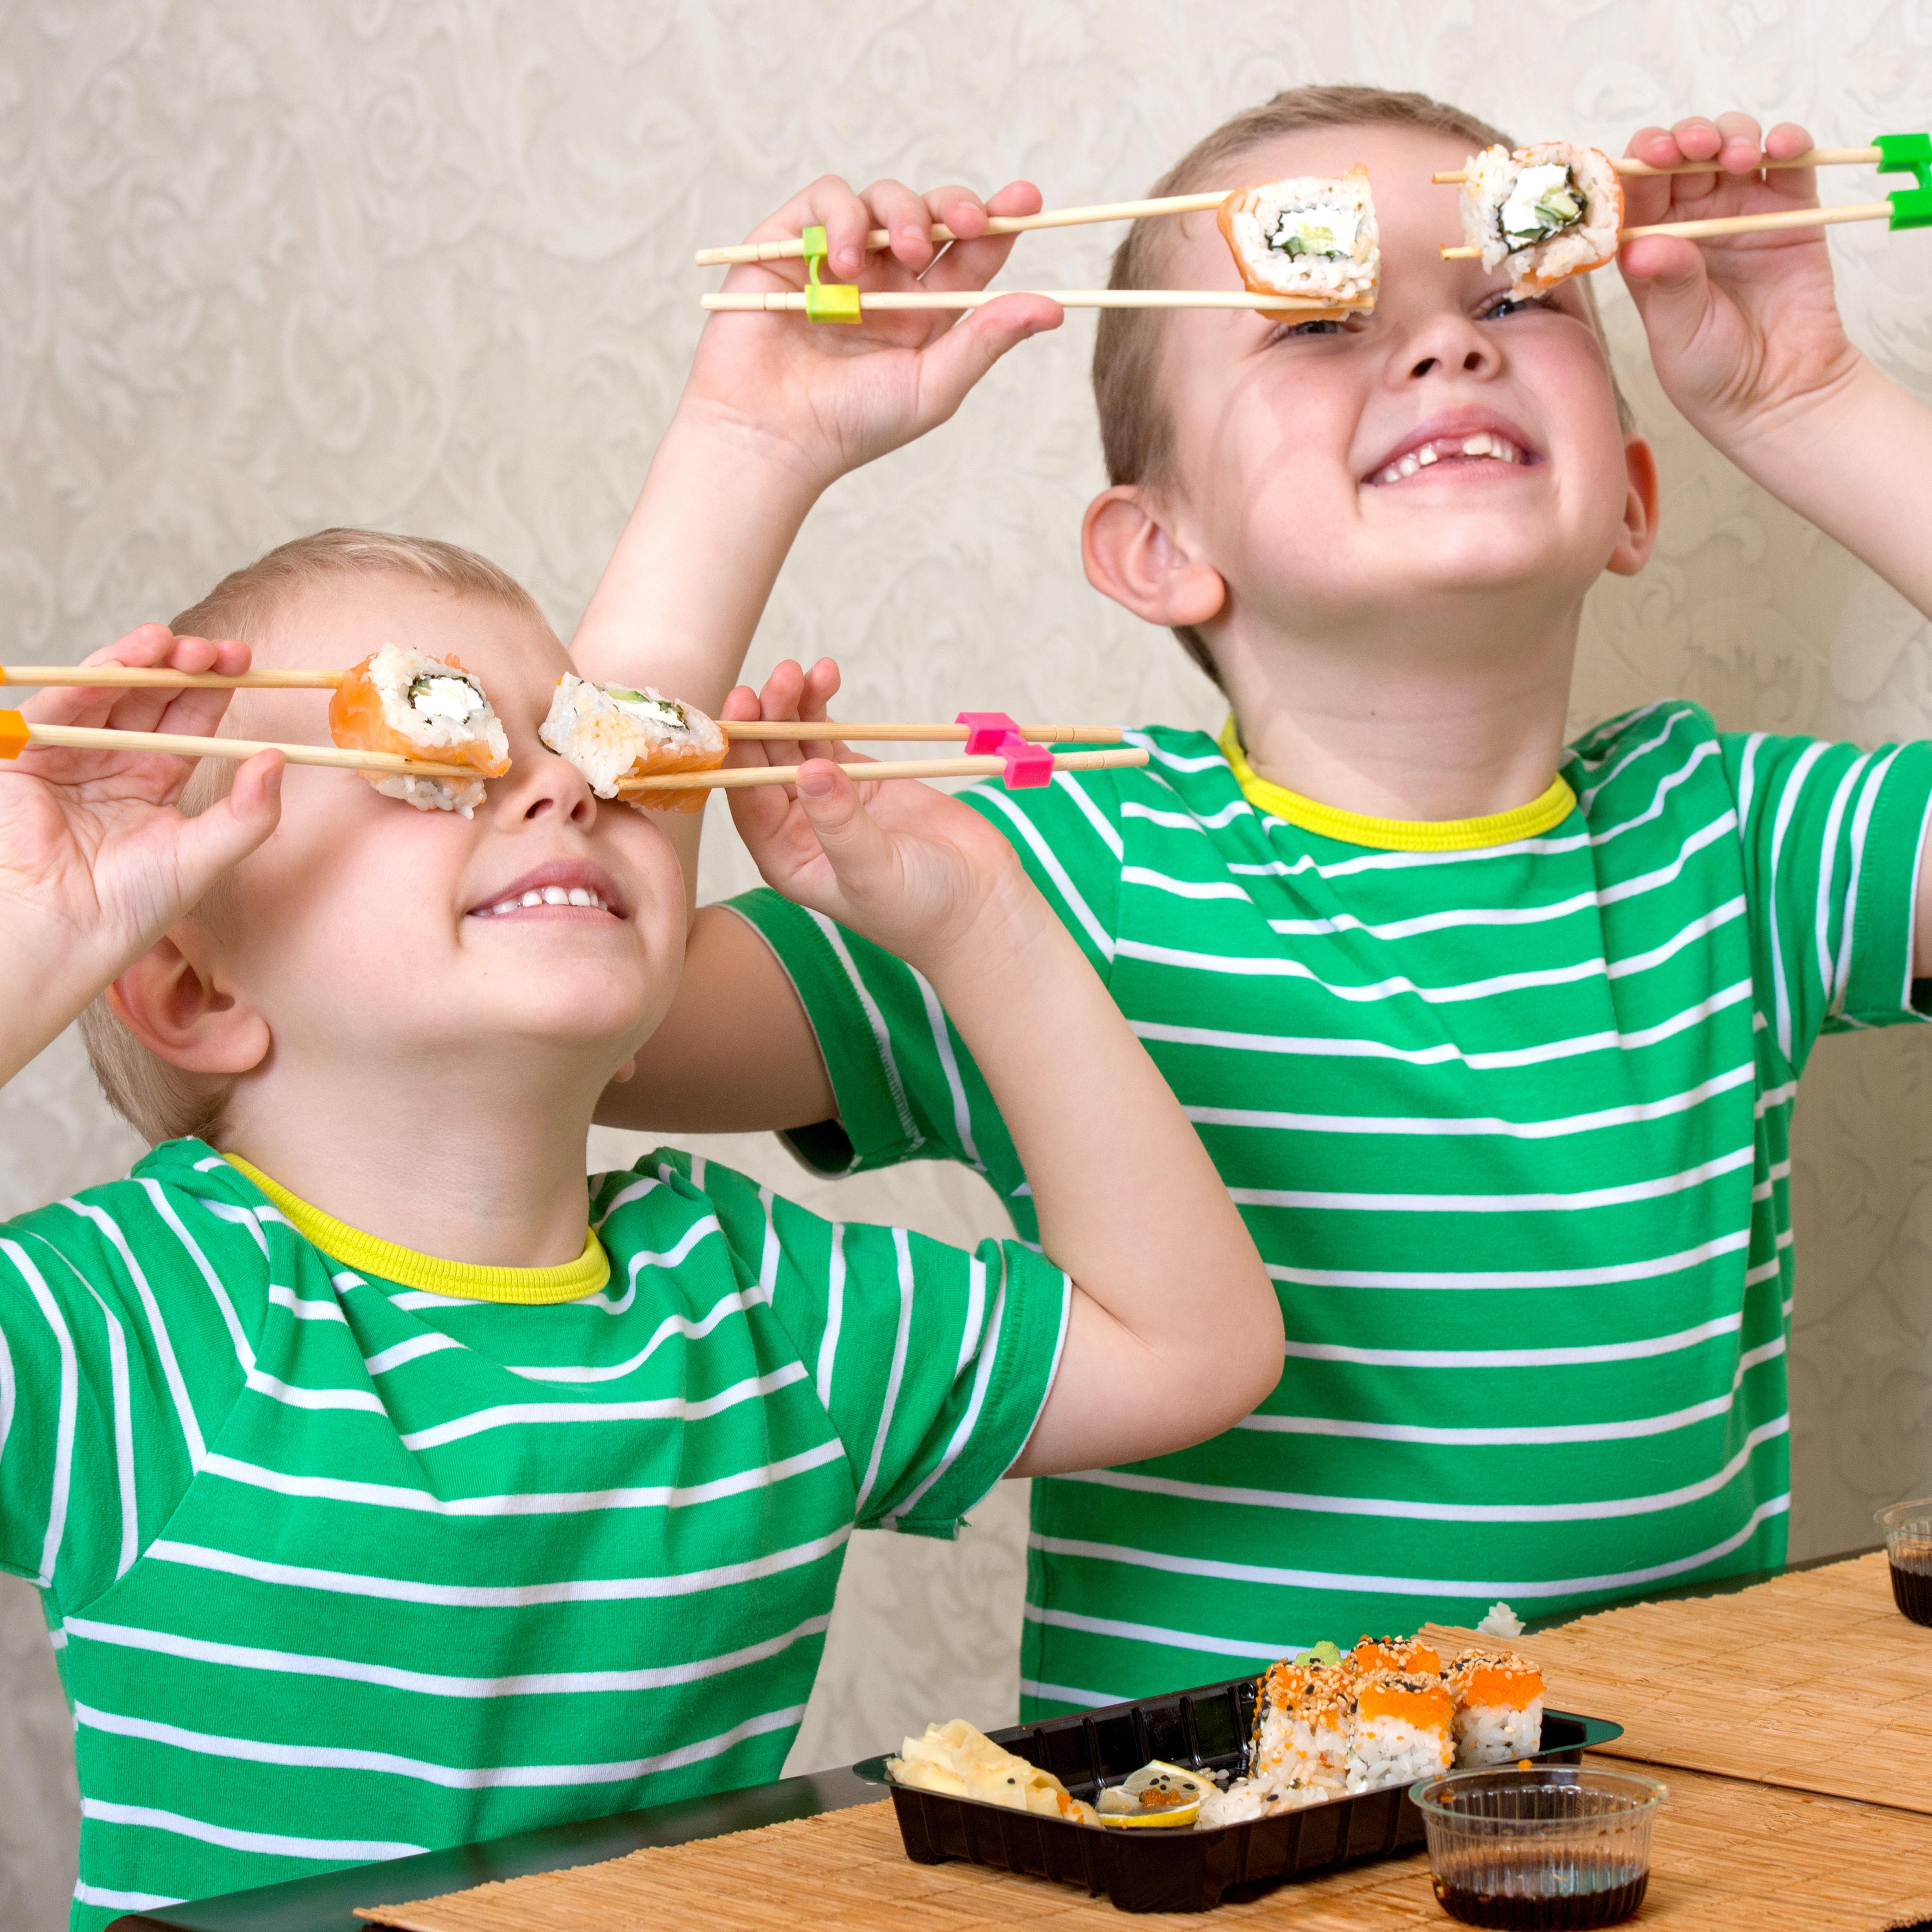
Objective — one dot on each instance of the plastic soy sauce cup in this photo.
(1556, 1846)
(1908, 1549)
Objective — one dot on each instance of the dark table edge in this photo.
(326, 1903)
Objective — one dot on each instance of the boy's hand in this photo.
(906, 866)
(1743, 330)
(96, 861)
(832, 396)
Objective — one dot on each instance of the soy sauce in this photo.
(1911, 1584)
(1544, 1911)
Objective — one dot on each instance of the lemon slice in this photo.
(1176, 1793)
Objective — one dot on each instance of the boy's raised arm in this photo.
(776, 409)
(1746, 339)
(1174, 1332)
(96, 860)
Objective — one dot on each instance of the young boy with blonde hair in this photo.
(386, 1486)
(1493, 1041)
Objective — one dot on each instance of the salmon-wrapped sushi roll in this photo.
(611, 733)
(405, 701)
(1499, 1697)
(1310, 236)
(1409, 1654)
(1546, 212)
(1404, 1728)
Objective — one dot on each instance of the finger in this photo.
(1698, 139)
(1667, 279)
(820, 687)
(195, 713)
(146, 647)
(973, 264)
(1647, 198)
(959, 209)
(1799, 185)
(1742, 143)
(863, 858)
(950, 365)
(829, 203)
(229, 829)
(905, 216)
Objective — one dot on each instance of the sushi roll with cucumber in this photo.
(1311, 236)
(403, 701)
(612, 734)
(1545, 213)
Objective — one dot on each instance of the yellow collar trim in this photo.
(1397, 835)
(464, 1281)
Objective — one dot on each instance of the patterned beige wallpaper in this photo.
(269, 264)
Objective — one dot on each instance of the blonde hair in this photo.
(1137, 437)
(161, 1101)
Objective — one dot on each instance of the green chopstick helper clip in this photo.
(1908, 154)
(828, 301)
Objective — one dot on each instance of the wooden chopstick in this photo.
(739, 776)
(824, 729)
(793, 301)
(138, 677)
(1735, 224)
(792, 249)
(1812, 158)
(97, 738)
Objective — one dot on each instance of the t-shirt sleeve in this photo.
(1832, 836)
(933, 1361)
(907, 1087)
(93, 1457)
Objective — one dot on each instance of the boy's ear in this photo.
(1132, 556)
(1640, 500)
(173, 1000)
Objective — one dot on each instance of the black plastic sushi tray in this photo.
(1206, 1729)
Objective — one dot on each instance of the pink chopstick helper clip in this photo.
(993, 734)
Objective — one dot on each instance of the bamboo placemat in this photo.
(1723, 1851)
(1813, 1680)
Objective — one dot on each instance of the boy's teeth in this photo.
(1484, 443)
(576, 895)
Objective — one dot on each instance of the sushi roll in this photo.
(405, 701)
(1304, 1725)
(1546, 212)
(1498, 1698)
(1404, 1729)
(1409, 1654)
(1310, 236)
(611, 733)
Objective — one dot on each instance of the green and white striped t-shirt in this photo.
(1506, 1105)
(348, 1553)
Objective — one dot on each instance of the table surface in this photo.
(326, 1903)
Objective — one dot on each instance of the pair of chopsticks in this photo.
(17, 732)
(842, 302)
(1891, 154)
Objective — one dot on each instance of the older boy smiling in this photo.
(1494, 1043)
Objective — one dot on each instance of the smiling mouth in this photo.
(1485, 446)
